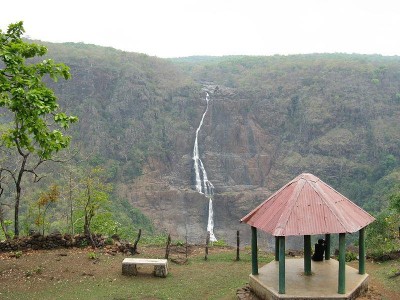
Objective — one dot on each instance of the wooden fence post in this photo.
(207, 242)
(186, 246)
(167, 246)
(237, 246)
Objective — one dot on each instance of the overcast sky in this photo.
(175, 28)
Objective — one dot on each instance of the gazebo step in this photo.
(322, 284)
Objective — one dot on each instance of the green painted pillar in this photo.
(361, 251)
(282, 265)
(254, 251)
(342, 264)
(307, 254)
(328, 247)
(277, 248)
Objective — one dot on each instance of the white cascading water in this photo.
(203, 185)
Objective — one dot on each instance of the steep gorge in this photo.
(270, 118)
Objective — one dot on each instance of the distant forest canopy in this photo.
(271, 118)
(335, 115)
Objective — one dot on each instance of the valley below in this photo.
(269, 119)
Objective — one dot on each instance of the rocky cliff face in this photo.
(237, 159)
(269, 120)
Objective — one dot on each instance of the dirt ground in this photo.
(35, 268)
(38, 266)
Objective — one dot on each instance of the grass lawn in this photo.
(71, 274)
(84, 274)
(382, 286)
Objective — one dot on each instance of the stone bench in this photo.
(160, 266)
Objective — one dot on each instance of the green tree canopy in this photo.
(395, 202)
(24, 94)
(35, 122)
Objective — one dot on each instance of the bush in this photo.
(350, 256)
(109, 241)
(220, 243)
(92, 255)
(180, 243)
(382, 235)
(83, 244)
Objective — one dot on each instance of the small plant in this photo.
(154, 240)
(92, 255)
(180, 243)
(393, 272)
(220, 243)
(83, 243)
(350, 256)
(38, 270)
(18, 254)
(109, 241)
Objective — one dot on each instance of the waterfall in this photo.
(203, 185)
(210, 222)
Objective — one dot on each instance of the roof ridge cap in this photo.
(336, 212)
(354, 205)
(284, 218)
(252, 212)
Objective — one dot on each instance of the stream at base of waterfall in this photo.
(203, 185)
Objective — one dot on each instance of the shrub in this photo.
(349, 256)
(109, 241)
(18, 254)
(382, 235)
(220, 243)
(92, 255)
(180, 243)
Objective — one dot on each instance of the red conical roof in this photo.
(307, 206)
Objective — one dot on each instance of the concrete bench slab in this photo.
(129, 266)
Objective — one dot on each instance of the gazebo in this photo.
(307, 206)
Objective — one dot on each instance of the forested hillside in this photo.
(334, 115)
(271, 118)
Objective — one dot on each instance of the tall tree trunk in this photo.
(89, 215)
(86, 226)
(18, 181)
(70, 203)
(133, 250)
(16, 212)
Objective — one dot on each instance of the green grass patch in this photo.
(385, 273)
(217, 278)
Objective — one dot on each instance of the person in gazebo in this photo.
(319, 251)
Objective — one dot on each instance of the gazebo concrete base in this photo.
(322, 284)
